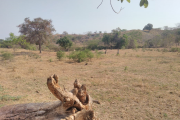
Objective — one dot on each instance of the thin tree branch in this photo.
(100, 4)
(114, 10)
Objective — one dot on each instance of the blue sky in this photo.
(81, 16)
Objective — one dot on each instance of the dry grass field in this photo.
(140, 84)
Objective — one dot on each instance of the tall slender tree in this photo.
(36, 31)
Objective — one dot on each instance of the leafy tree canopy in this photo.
(148, 27)
(36, 31)
(64, 42)
(106, 39)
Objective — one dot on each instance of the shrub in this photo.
(80, 56)
(60, 55)
(7, 56)
(164, 50)
(174, 50)
(34, 55)
(98, 54)
(30, 47)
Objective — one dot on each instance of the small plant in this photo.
(31, 70)
(60, 55)
(137, 56)
(126, 68)
(7, 56)
(164, 50)
(8, 98)
(50, 60)
(165, 115)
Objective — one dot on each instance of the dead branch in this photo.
(73, 105)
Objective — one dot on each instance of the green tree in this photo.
(115, 35)
(64, 42)
(148, 27)
(36, 31)
(132, 43)
(177, 40)
(122, 42)
(106, 39)
(93, 44)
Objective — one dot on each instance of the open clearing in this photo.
(137, 84)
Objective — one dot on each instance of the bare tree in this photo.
(36, 31)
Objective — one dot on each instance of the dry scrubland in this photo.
(137, 84)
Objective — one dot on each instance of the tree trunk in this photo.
(118, 52)
(105, 50)
(40, 47)
(73, 105)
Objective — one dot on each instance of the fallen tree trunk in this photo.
(73, 105)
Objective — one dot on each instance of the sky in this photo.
(81, 16)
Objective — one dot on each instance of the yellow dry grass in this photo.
(136, 84)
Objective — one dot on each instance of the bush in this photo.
(80, 56)
(53, 47)
(60, 55)
(7, 56)
(98, 54)
(30, 47)
(6, 44)
(174, 50)
(164, 50)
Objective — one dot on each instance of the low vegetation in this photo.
(7, 56)
(60, 55)
(138, 83)
(80, 56)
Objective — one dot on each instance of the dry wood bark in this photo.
(73, 105)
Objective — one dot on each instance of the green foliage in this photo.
(122, 42)
(60, 55)
(36, 31)
(64, 42)
(142, 3)
(8, 98)
(50, 60)
(98, 53)
(17, 40)
(132, 44)
(154, 42)
(30, 47)
(164, 50)
(126, 68)
(174, 50)
(34, 55)
(148, 27)
(6, 44)
(106, 39)
(7, 56)
(93, 44)
(80, 56)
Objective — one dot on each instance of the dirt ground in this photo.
(140, 84)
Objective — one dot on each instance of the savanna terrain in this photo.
(140, 84)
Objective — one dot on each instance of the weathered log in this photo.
(73, 105)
